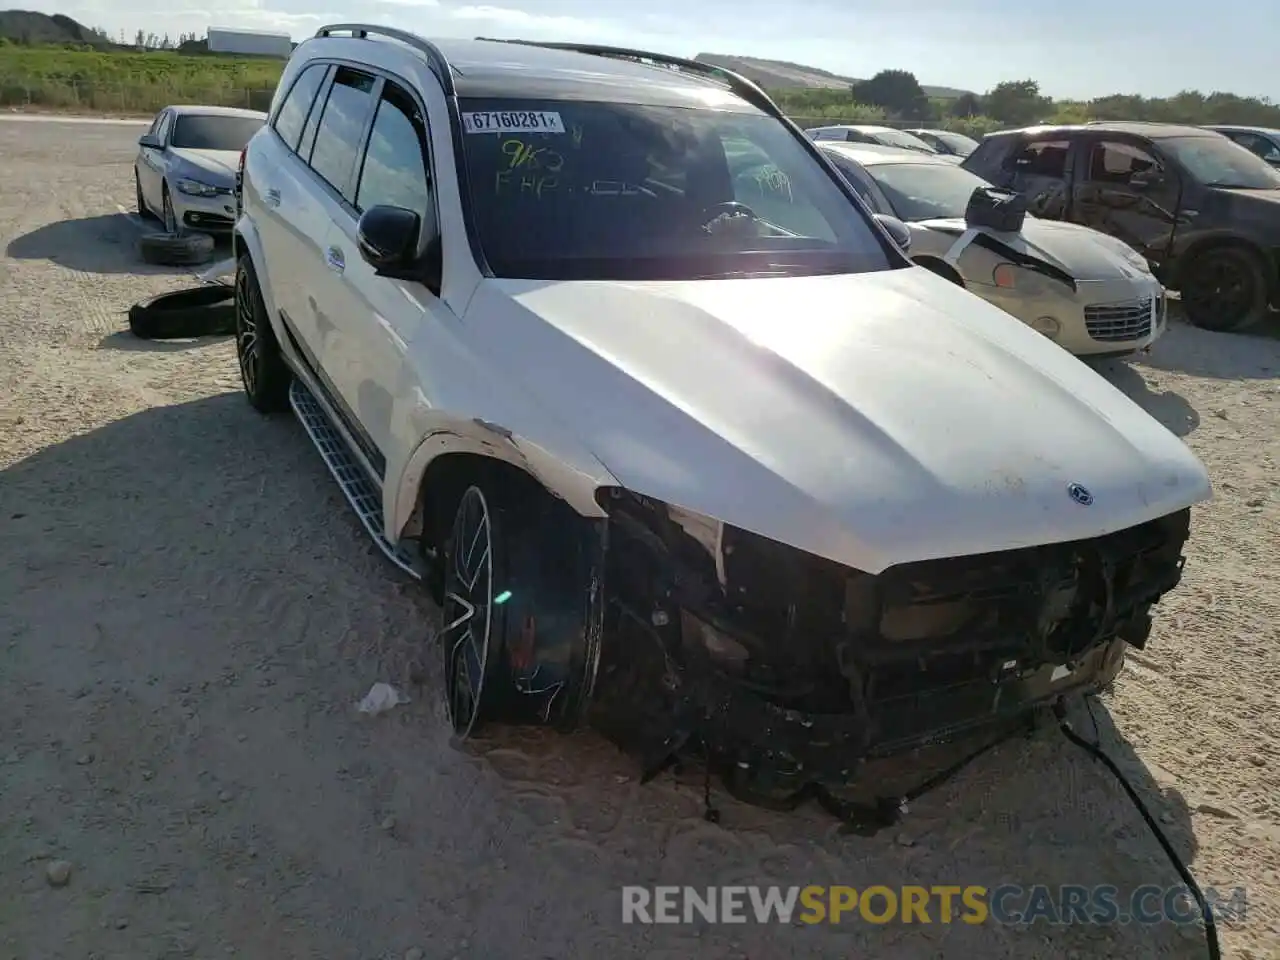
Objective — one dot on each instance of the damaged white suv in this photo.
(602, 348)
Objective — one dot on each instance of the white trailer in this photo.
(261, 43)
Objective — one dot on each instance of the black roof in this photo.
(503, 69)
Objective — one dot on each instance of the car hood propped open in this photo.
(873, 419)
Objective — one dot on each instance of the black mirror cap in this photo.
(388, 237)
(900, 232)
(149, 140)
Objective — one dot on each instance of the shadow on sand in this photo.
(163, 518)
(1251, 355)
(102, 244)
(1170, 408)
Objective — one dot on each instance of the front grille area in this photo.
(1116, 322)
(807, 663)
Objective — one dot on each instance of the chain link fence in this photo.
(141, 98)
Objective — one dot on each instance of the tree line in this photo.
(896, 96)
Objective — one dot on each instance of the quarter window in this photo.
(395, 171)
(341, 128)
(293, 112)
(162, 131)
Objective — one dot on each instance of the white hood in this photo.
(874, 419)
(221, 163)
(1080, 251)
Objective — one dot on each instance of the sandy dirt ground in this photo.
(189, 612)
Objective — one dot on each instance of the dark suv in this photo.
(1203, 210)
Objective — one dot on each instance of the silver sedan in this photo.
(186, 166)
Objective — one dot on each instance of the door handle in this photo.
(271, 198)
(334, 258)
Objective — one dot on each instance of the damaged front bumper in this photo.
(790, 671)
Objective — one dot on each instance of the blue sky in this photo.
(1076, 49)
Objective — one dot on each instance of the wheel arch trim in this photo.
(576, 484)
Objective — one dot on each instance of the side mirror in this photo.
(388, 238)
(150, 141)
(900, 232)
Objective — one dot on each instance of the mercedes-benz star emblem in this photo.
(1079, 494)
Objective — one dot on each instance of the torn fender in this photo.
(569, 474)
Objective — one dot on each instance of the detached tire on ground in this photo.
(199, 312)
(180, 250)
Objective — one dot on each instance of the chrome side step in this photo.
(361, 492)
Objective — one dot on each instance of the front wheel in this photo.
(170, 217)
(473, 619)
(1225, 289)
(143, 211)
(263, 372)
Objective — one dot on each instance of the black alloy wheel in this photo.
(1225, 289)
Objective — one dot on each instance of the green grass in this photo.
(126, 82)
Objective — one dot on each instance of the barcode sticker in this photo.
(515, 121)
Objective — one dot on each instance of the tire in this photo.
(263, 372)
(165, 249)
(532, 574)
(170, 217)
(207, 311)
(472, 625)
(143, 212)
(1225, 289)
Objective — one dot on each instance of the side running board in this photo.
(361, 492)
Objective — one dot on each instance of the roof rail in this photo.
(435, 59)
(748, 91)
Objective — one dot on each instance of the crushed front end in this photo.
(789, 671)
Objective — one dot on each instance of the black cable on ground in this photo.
(1094, 750)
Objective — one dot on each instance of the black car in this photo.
(1203, 210)
(1264, 141)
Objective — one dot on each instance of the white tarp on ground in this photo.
(222, 270)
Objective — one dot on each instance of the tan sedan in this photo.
(1090, 293)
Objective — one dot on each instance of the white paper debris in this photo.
(381, 698)
(219, 271)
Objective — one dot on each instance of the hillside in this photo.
(782, 75)
(29, 27)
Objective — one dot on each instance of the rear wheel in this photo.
(1225, 289)
(263, 371)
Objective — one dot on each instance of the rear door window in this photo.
(1038, 170)
(346, 113)
(1041, 158)
(292, 114)
(1116, 163)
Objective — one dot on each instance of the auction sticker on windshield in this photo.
(517, 121)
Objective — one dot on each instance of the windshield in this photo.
(574, 190)
(961, 145)
(1219, 162)
(900, 138)
(925, 191)
(208, 132)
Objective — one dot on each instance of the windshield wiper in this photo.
(1228, 185)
